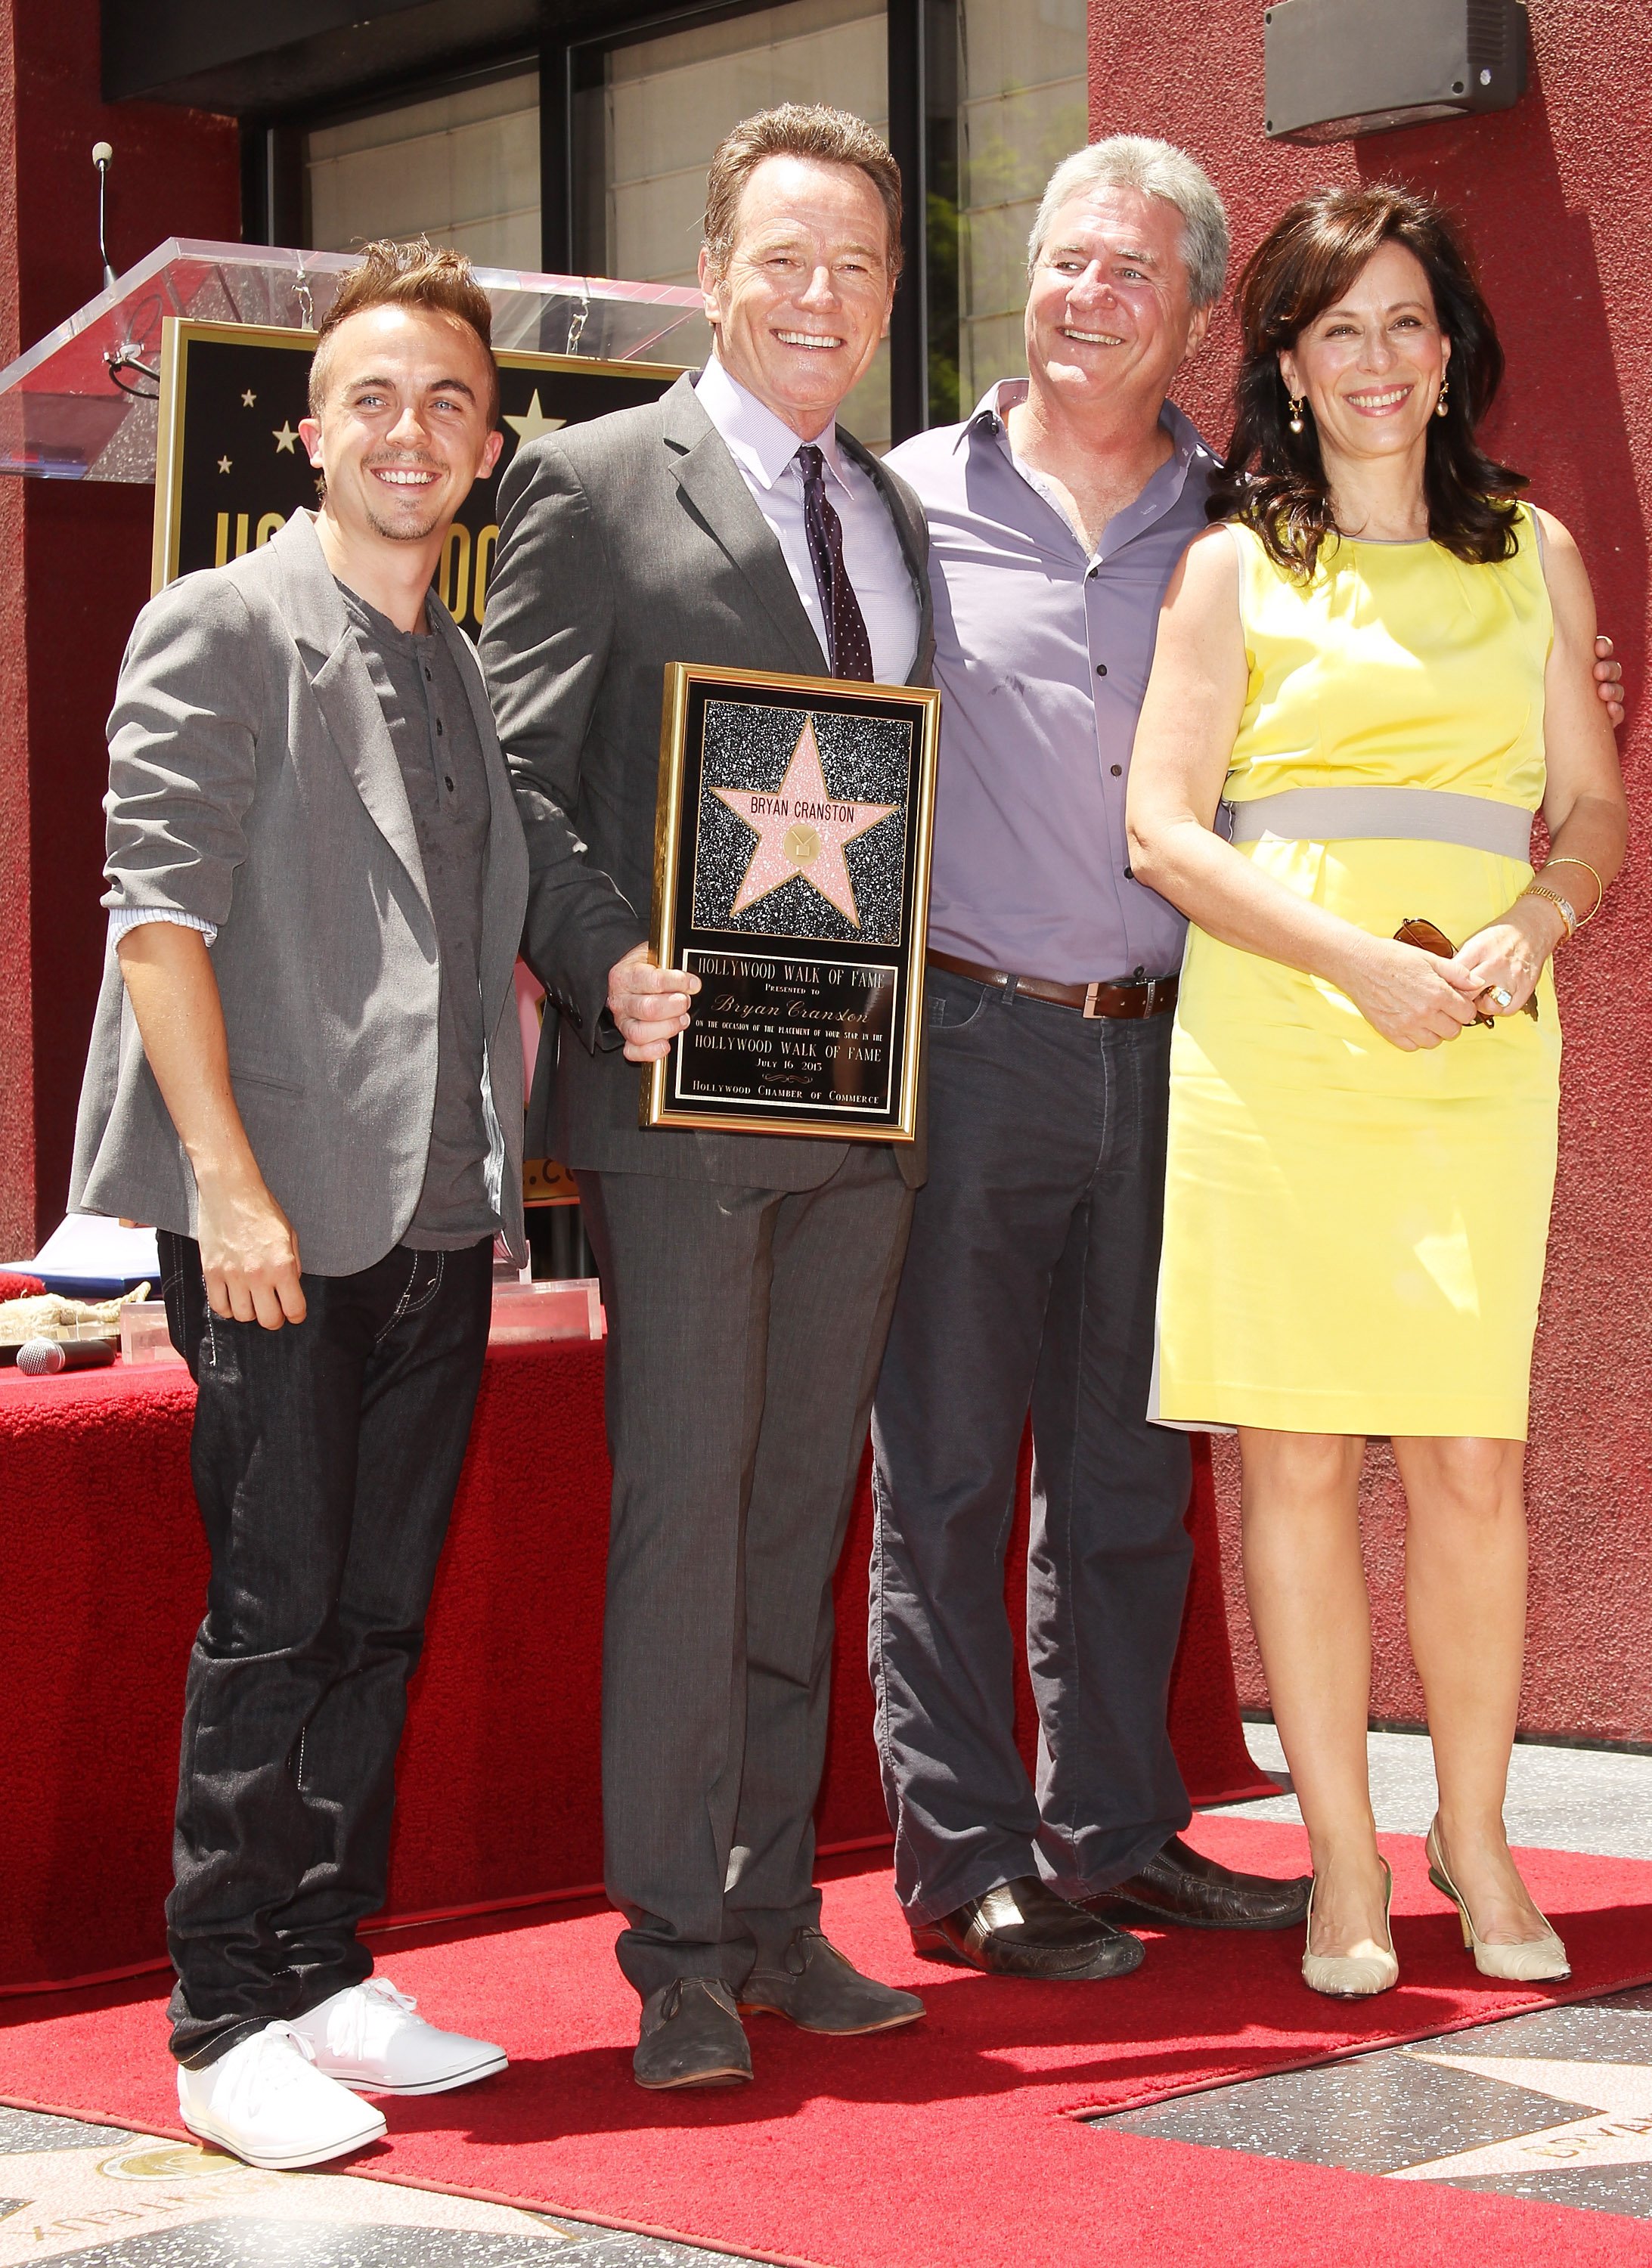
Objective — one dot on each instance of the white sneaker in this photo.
(267, 2102)
(369, 2037)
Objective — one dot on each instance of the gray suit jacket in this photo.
(624, 544)
(252, 782)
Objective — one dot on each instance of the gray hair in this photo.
(1157, 169)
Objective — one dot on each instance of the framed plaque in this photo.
(791, 877)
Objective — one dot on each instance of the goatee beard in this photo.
(403, 534)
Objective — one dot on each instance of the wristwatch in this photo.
(1568, 912)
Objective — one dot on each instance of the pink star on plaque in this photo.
(800, 829)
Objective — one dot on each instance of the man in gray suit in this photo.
(306, 1070)
(748, 1278)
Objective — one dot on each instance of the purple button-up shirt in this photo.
(1042, 653)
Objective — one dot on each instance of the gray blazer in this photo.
(624, 544)
(252, 782)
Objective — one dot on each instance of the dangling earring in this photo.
(1440, 405)
(1296, 401)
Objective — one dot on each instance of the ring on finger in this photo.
(1502, 997)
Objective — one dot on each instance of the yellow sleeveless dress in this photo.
(1355, 1236)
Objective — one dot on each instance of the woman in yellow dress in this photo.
(1367, 682)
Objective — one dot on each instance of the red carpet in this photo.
(102, 1574)
(950, 2146)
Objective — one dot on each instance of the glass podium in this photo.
(83, 404)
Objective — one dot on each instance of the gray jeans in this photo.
(745, 1327)
(1031, 1280)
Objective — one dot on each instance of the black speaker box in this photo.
(1338, 68)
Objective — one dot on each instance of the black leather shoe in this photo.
(1023, 1929)
(691, 2037)
(821, 1991)
(1179, 1886)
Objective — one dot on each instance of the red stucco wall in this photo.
(1558, 196)
(74, 562)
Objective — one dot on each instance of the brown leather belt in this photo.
(1155, 996)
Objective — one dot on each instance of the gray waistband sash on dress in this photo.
(1393, 815)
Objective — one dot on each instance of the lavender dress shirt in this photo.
(765, 452)
(1042, 654)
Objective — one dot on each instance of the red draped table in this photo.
(102, 1576)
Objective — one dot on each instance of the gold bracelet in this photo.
(1600, 887)
(1569, 914)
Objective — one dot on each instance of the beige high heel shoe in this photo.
(1534, 1961)
(1352, 1975)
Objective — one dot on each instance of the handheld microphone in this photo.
(41, 1357)
(103, 158)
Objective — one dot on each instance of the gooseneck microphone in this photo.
(127, 356)
(103, 158)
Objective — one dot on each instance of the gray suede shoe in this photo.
(821, 1991)
(691, 2037)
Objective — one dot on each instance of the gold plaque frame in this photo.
(675, 931)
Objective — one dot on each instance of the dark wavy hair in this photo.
(1274, 480)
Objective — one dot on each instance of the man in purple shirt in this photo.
(1057, 513)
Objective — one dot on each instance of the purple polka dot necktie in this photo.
(848, 647)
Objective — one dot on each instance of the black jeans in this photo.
(325, 1458)
(1030, 1281)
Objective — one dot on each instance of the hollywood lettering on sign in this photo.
(231, 468)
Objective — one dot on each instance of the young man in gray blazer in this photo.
(306, 1070)
(748, 1278)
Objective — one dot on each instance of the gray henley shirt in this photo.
(434, 735)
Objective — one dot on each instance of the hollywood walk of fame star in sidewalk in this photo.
(1618, 2131)
(68, 2199)
(801, 830)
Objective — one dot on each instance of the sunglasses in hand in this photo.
(1424, 935)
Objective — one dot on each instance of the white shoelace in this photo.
(271, 2070)
(376, 2009)
(382, 1989)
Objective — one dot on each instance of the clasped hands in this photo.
(1416, 1000)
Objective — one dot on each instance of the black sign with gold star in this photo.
(791, 855)
(230, 468)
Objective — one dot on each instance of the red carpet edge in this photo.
(1241, 2074)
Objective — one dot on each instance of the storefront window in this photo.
(1023, 106)
(648, 114)
(990, 95)
(462, 167)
